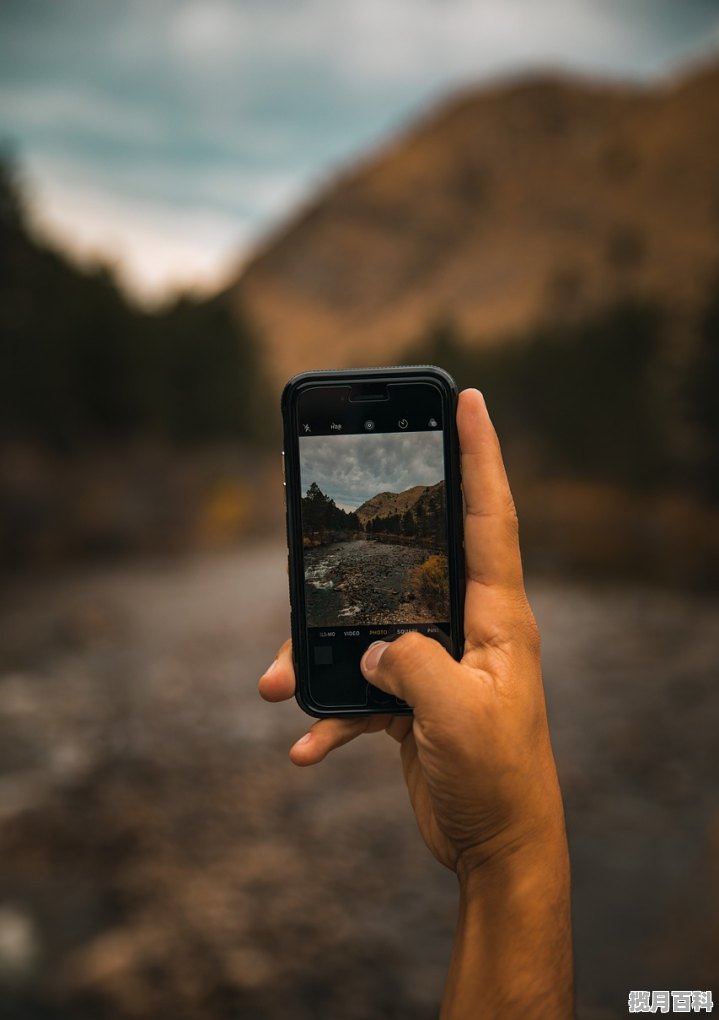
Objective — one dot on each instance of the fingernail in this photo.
(272, 666)
(374, 653)
(303, 740)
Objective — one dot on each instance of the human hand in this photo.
(476, 753)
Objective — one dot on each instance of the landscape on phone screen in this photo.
(374, 529)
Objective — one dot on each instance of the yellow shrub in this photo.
(430, 582)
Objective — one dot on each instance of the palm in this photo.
(422, 802)
(421, 795)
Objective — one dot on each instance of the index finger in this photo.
(491, 539)
(277, 683)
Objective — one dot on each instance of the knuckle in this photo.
(411, 641)
(405, 651)
(520, 626)
(511, 516)
(533, 636)
(528, 627)
(411, 644)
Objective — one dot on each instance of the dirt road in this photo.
(159, 855)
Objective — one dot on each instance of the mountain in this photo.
(425, 500)
(532, 201)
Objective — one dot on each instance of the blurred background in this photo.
(199, 198)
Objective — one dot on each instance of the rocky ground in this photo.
(364, 582)
(160, 856)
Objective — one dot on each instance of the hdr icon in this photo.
(335, 427)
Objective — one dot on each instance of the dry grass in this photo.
(429, 581)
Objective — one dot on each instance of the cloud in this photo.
(144, 244)
(152, 230)
(238, 108)
(374, 43)
(352, 469)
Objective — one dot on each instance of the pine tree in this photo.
(409, 526)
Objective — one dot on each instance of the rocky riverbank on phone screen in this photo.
(365, 582)
(161, 857)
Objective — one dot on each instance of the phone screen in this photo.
(374, 529)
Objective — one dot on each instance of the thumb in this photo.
(416, 668)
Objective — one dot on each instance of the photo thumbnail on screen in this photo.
(374, 529)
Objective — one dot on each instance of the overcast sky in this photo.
(174, 133)
(352, 469)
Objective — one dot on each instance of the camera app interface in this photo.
(374, 535)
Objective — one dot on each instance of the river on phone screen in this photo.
(365, 582)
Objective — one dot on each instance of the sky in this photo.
(352, 469)
(170, 136)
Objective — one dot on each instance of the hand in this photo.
(478, 761)
(476, 753)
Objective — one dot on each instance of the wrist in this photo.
(532, 846)
(513, 945)
(521, 880)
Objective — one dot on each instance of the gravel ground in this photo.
(341, 575)
(160, 856)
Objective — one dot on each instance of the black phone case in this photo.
(455, 551)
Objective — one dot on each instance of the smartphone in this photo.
(374, 525)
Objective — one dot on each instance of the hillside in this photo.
(121, 431)
(79, 364)
(538, 200)
(423, 499)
